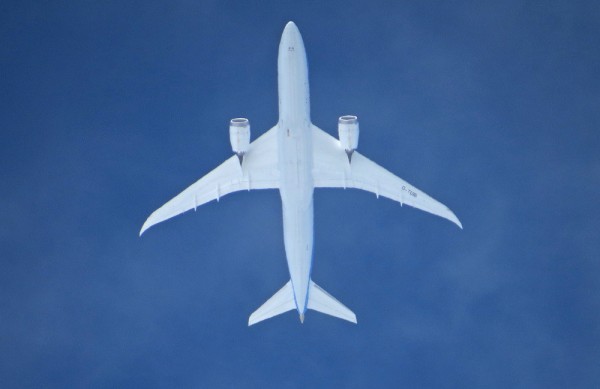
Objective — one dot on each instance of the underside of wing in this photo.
(259, 170)
(332, 169)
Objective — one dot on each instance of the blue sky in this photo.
(108, 110)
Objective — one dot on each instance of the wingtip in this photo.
(252, 320)
(457, 222)
(452, 217)
(145, 227)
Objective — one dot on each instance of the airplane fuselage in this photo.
(295, 161)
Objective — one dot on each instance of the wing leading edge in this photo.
(258, 171)
(332, 170)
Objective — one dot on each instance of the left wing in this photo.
(331, 169)
(258, 171)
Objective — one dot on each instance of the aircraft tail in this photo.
(281, 302)
(321, 301)
(318, 300)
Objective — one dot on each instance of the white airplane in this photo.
(295, 157)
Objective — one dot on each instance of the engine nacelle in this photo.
(239, 136)
(348, 133)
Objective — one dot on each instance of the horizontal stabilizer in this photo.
(281, 302)
(319, 300)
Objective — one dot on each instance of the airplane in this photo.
(296, 157)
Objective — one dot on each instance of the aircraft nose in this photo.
(290, 26)
(290, 30)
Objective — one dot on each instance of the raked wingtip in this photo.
(145, 227)
(457, 222)
(452, 217)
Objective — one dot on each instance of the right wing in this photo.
(331, 169)
(258, 171)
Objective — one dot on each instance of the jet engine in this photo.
(239, 136)
(348, 133)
